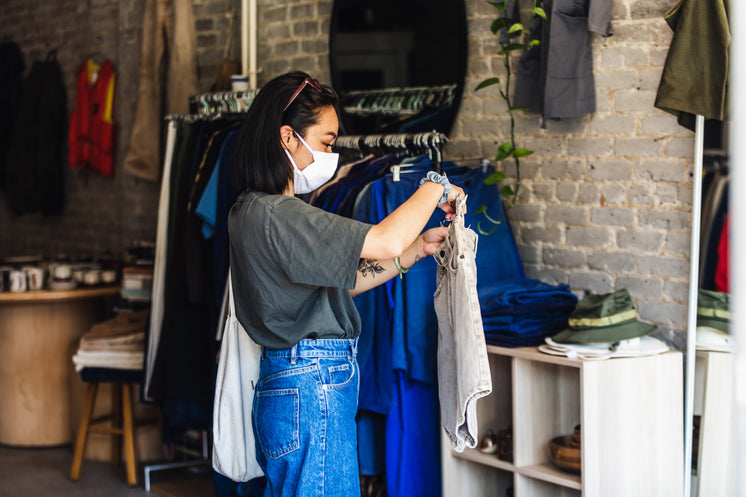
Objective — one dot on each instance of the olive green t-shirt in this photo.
(292, 267)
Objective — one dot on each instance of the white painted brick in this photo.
(567, 214)
(637, 147)
(563, 257)
(665, 194)
(641, 287)
(588, 237)
(634, 101)
(589, 193)
(563, 170)
(589, 147)
(612, 216)
(661, 170)
(678, 243)
(638, 240)
(614, 170)
(591, 282)
(666, 219)
(613, 194)
(636, 56)
(615, 125)
(663, 265)
(611, 261)
(567, 192)
(661, 123)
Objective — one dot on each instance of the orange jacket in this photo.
(91, 138)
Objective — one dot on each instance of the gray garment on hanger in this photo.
(463, 367)
(555, 78)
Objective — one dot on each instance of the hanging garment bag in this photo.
(233, 452)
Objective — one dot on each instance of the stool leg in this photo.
(116, 409)
(129, 435)
(85, 419)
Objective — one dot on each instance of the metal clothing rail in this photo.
(429, 143)
(222, 102)
(404, 101)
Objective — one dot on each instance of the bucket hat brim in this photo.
(607, 334)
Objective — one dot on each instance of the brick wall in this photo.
(605, 200)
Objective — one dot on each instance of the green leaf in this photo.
(493, 179)
(481, 231)
(498, 5)
(511, 48)
(521, 152)
(538, 11)
(499, 24)
(533, 43)
(503, 151)
(486, 83)
(517, 107)
(515, 27)
(481, 209)
(507, 191)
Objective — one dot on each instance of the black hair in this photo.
(258, 161)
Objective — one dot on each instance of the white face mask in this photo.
(316, 173)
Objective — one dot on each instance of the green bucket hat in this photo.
(604, 318)
(713, 310)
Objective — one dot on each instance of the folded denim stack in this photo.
(521, 312)
(117, 343)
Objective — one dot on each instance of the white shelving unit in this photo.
(630, 411)
(713, 400)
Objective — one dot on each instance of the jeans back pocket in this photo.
(277, 421)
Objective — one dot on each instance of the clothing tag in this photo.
(395, 169)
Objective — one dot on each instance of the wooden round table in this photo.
(38, 334)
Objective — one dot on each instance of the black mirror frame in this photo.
(462, 37)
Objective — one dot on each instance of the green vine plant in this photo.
(508, 49)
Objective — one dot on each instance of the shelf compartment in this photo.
(478, 457)
(546, 405)
(548, 473)
(529, 486)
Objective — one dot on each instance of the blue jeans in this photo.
(304, 419)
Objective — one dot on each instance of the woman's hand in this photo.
(432, 238)
(449, 207)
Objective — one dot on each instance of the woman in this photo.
(295, 269)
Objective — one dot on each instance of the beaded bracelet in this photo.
(402, 270)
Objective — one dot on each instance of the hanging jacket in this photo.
(12, 65)
(91, 138)
(35, 163)
(555, 77)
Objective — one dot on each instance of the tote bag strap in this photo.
(231, 303)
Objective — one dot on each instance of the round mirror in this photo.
(398, 65)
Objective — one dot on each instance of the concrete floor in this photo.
(45, 473)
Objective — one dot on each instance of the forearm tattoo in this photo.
(369, 266)
(417, 258)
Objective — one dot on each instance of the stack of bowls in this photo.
(564, 452)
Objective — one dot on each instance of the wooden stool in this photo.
(121, 416)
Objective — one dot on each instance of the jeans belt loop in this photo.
(293, 353)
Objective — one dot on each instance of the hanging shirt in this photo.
(293, 266)
(555, 77)
(91, 138)
(695, 75)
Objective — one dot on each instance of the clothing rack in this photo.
(404, 101)
(221, 102)
(429, 143)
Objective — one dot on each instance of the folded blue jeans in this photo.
(304, 419)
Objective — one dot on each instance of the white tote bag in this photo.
(234, 452)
